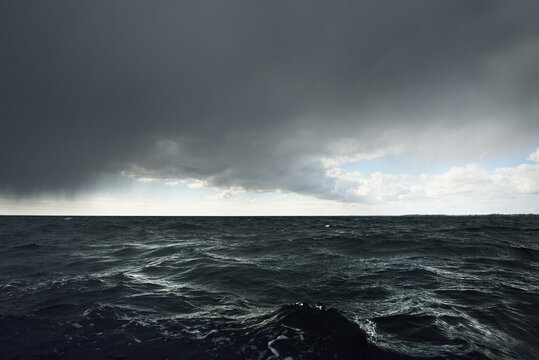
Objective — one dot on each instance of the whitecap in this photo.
(274, 350)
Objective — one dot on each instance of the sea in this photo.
(402, 287)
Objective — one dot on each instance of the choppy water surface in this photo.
(259, 288)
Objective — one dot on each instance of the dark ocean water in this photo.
(269, 288)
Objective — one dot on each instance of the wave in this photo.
(212, 288)
(298, 331)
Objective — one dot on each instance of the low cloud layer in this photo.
(261, 96)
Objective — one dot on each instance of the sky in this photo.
(269, 107)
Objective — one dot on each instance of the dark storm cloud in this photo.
(252, 93)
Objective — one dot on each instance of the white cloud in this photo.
(353, 187)
(534, 156)
(197, 184)
(172, 183)
(139, 174)
(228, 193)
(523, 178)
(470, 181)
(346, 147)
(458, 180)
(147, 179)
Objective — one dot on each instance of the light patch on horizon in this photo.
(471, 179)
(454, 191)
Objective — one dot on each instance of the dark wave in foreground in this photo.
(297, 331)
(413, 287)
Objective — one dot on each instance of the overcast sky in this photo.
(269, 107)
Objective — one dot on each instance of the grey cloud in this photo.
(252, 94)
